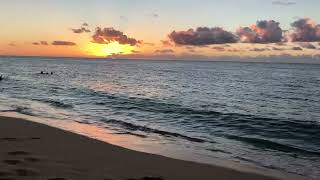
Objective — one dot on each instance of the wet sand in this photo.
(33, 151)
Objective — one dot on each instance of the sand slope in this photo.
(32, 151)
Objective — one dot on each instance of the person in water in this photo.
(41, 72)
(1, 77)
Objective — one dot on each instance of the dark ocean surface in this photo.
(266, 114)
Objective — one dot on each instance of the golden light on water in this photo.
(103, 50)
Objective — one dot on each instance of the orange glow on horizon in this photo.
(104, 50)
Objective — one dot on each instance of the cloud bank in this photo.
(202, 36)
(305, 30)
(261, 32)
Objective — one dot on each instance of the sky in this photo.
(162, 29)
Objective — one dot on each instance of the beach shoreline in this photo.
(30, 150)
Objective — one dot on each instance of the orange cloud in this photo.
(108, 35)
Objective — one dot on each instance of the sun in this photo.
(104, 50)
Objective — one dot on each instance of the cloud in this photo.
(280, 43)
(166, 43)
(44, 43)
(63, 43)
(218, 48)
(307, 45)
(261, 32)
(149, 44)
(297, 49)
(164, 51)
(284, 3)
(108, 35)
(277, 49)
(305, 30)
(191, 49)
(259, 49)
(124, 18)
(82, 29)
(234, 50)
(202, 36)
(12, 44)
(153, 15)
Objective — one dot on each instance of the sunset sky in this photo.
(164, 29)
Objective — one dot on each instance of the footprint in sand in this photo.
(26, 172)
(13, 139)
(9, 139)
(31, 159)
(12, 161)
(4, 175)
(35, 138)
(18, 153)
(146, 178)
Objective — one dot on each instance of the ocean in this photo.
(261, 114)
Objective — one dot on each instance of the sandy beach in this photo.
(34, 151)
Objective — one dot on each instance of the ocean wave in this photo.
(242, 123)
(134, 127)
(55, 103)
(272, 145)
(20, 109)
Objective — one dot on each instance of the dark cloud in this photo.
(63, 43)
(307, 45)
(164, 51)
(259, 49)
(305, 30)
(280, 43)
(277, 49)
(202, 36)
(108, 35)
(297, 48)
(284, 3)
(234, 50)
(191, 49)
(218, 48)
(44, 43)
(82, 29)
(261, 32)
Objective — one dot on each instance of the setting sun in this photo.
(112, 48)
